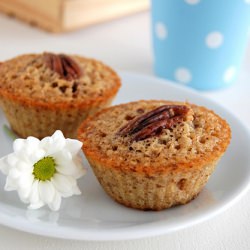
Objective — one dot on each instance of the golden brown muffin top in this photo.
(201, 137)
(31, 76)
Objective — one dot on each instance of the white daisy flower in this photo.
(43, 171)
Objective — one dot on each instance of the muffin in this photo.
(41, 93)
(152, 155)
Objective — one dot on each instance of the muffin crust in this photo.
(201, 138)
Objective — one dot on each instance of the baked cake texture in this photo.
(153, 164)
(41, 93)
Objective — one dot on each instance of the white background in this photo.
(125, 44)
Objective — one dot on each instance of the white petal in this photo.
(36, 205)
(34, 194)
(24, 167)
(18, 144)
(22, 147)
(80, 170)
(54, 143)
(72, 168)
(14, 173)
(66, 168)
(58, 135)
(63, 184)
(12, 159)
(76, 190)
(24, 184)
(4, 165)
(24, 153)
(45, 142)
(32, 142)
(62, 156)
(46, 191)
(24, 191)
(10, 184)
(24, 194)
(56, 202)
(25, 180)
(58, 139)
(73, 146)
(37, 155)
(27, 149)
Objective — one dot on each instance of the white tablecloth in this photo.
(126, 44)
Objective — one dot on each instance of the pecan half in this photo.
(62, 64)
(153, 122)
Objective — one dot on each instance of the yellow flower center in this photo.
(45, 168)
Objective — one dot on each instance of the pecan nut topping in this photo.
(62, 64)
(153, 122)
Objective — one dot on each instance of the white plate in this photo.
(95, 216)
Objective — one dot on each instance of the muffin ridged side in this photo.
(152, 193)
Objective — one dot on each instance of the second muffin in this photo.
(41, 93)
(154, 154)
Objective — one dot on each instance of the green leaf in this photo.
(9, 132)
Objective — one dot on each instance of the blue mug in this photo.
(200, 43)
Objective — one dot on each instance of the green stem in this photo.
(9, 132)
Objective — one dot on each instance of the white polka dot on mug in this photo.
(192, 2)
(200, 43)
(183, 75)
(214, 40)
(161, 30)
